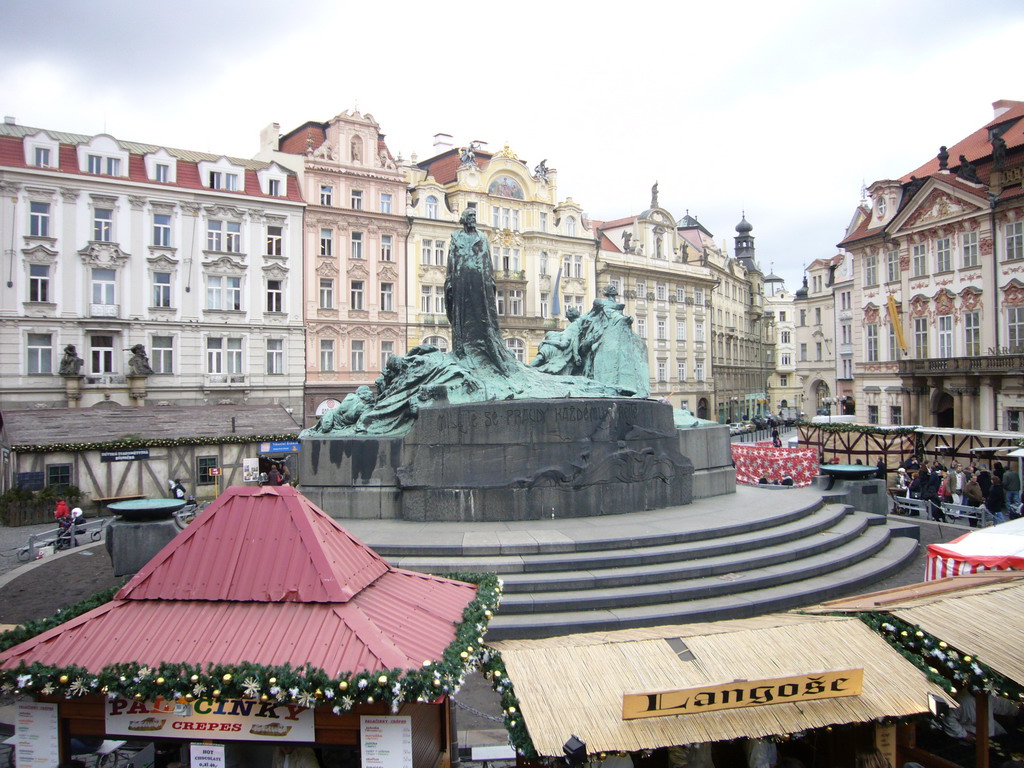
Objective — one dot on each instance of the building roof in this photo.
(263, 576)
(102, 423)
(12, 155)
(979, 615)
(575, 685)
(444, 167)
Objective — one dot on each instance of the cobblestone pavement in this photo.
(13, 539)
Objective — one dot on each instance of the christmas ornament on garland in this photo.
(305, 686)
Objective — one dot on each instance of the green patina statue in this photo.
(597, 356)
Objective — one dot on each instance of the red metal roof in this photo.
(262, 576)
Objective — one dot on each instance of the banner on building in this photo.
(223, 719)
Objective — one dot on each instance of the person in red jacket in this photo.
(62, 512)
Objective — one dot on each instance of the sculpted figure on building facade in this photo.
(138, 363)
(71, 364)
(541, 171)
(626, 238)
(467, 156)
(967, 170)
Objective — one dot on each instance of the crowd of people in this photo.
(967, 484)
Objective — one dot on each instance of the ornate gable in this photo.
(939, 205)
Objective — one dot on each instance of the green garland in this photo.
(943, 665)
(125, 444)
(305, 686)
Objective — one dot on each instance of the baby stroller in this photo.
(71, 528)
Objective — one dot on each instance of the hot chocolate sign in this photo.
(221, 719)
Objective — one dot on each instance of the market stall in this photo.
(715, 687)
(263, 627)
(997, 548)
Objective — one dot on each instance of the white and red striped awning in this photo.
(998, 548)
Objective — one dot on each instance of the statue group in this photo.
(597, 355)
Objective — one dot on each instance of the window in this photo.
(234, 355)
(58, 475)
(437, 341)
(275, 238)
(970, 249)
(543, 224)
(113, 166)
(785, 359)
(326, 293)
(499, 300)
(681, 370)
(641, 327)
(41, 157)
(517, 348)
(803, 317)
(817, 351)
(163, 173)
(387, 297)
(101, 354)
(698, 297)
(698, 370)
(224, 236)
(921, 337)
(203, 466)
(214, 355)
(872, 414)
(918, 260)
(870, 270)
(895, 415)
(894, 348)
(783, 380)
(431, 207)
(38, 282)
(326, 242)
(225, 181)
(356, 294)
(95, 164)
(785, 337)
(1015, 328)
(543, 263)
(515, 302)
(570, 226)
(1015, 240)
(357, 245)
(387, 349)
(224, 293)
(103, 286)
(39, 354)
(161, 354)
(39, 219)
(803, 353)
(698, 331)
(326, 354)
(872, 342)
(662, 370)
(845, 300)
(326, 194)
(945, 336)
(385, 202)
(427, 252)
(162, 289)
(661, 334)
(275, 295)
(641, 289)
(782, 317)
(102, 225)
(387, 247)
(892, 266)
(357, 199)
(274, 187)
(545, 305)
(577, 266)
(275, 356)
(680, 330)
(162, 230)
(426, 299)
(358, 355)
(972, 333)
(943, 255)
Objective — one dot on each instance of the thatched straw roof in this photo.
(979, 615)
(574, 685)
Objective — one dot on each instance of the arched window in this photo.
(431, 207)
(438, 341)
(570, 226)
(517, 348)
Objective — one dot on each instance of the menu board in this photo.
(207, 756)
(36, 737)
(385, 742)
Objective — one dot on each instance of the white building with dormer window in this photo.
(110, 244)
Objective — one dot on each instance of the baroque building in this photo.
(937, 296)
(541, 250)
(817, 342)
(659, 276)
(111, 244)
(356, 296)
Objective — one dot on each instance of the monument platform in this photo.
(520, 460)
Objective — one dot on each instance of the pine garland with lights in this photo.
(305, 686)
(948, 668)
(493, 668)
(135, 443)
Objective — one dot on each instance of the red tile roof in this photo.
(297, 141)
(617, 222)
(262, 576)
(443, 167)
(608, 245)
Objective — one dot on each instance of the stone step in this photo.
(827, 527)
(623, 550)
(833, 583)
(859, 548)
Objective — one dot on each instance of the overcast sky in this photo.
(782, 109)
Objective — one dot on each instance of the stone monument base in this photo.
(131, 544)
(519, 460)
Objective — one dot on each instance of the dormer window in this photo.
(273, 180)
(41, 157)
(41, 151)
(225, 181)
(222, 175)
(110, 166)
(274, 187)
(163, 173)
(102, 156)
(162, 167)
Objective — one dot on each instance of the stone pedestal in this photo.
(131, 544)
(508, 460)
(137, 389)
(73, 390)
